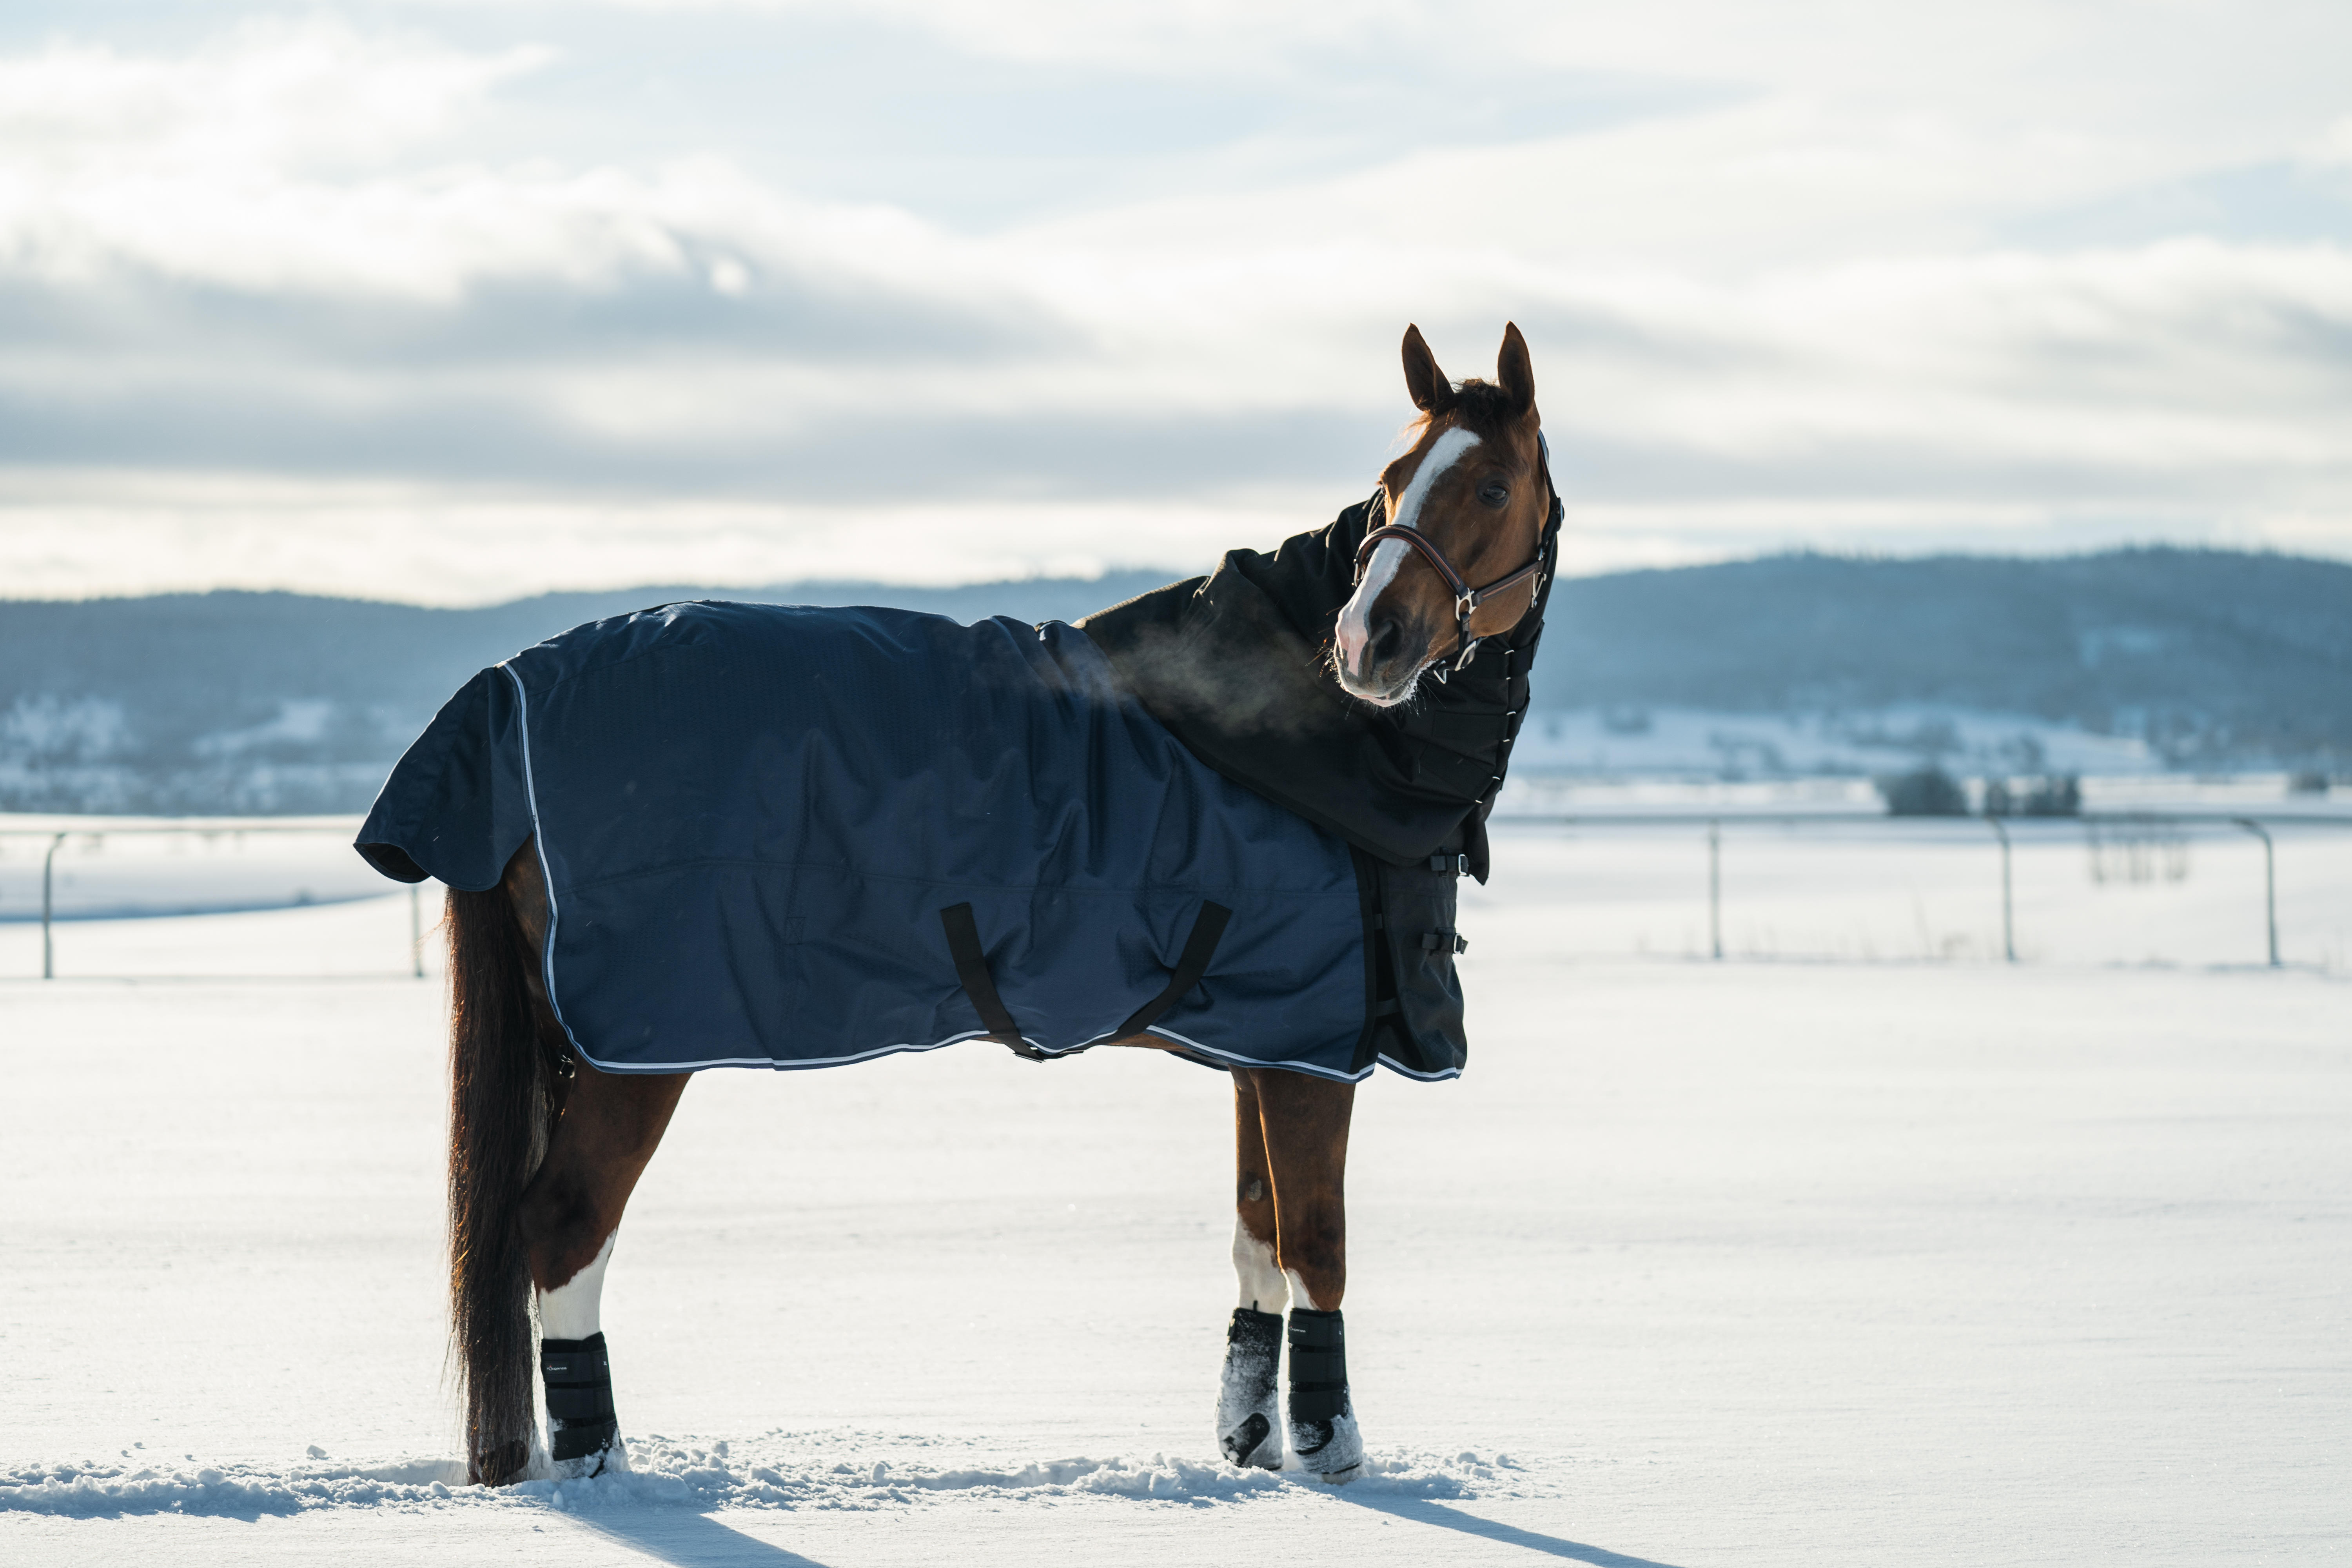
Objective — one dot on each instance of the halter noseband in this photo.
(1467, 599)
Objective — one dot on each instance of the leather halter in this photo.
(1467, 599)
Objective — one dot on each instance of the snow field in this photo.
(127, 867)
(1917, 890)
(782, 1469)
(2189, 893)
(1739, 1264)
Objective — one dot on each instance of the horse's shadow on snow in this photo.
(690, 1540)
(1421, 1511)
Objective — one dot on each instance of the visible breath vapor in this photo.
(1181, 669)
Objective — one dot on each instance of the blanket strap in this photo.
(972, 970)
(1208, 930)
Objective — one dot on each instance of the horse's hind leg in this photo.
(1249, 1414)
(1305, 1125)
(609, 1126)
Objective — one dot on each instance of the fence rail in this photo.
(2116, 827)
(204, 828)
(2091, 821)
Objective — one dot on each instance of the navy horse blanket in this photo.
(795, 837)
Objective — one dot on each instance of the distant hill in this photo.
(2212, 656)
(266, 702)
(239, 702)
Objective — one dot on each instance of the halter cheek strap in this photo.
(1467, 599)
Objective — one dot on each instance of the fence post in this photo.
(2269, 881)
(49, 868)
(416, 930)
(1715, 887)
(2008, 923)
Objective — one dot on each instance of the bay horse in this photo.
(546, 1144)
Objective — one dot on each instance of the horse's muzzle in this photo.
(1392, 657)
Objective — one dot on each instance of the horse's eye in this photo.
(1493, 492)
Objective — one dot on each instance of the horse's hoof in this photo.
(586, 1466)
(1331, 1451)
(1249, 1433)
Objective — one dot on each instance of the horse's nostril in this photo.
(1385, 639)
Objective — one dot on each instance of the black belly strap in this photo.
(972, 971)
(979, 985)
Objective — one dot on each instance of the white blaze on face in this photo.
(1355, 629)
(572, 1310)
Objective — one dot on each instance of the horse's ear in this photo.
(1516, 374)
(1432, 392)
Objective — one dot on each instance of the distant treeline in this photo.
(2213, 656)
(242, 701)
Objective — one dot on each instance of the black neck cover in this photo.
(1236, 664)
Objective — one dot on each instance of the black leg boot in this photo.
(1249, 1427)
(583, 1437)
(1322, 1420)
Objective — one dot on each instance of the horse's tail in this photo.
(502, 1081)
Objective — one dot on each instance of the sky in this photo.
(452, 303)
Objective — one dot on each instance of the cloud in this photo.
(262, 95)
(238, 167)
(1814, 282)
(70, 533)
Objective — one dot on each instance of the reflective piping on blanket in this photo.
(546, 878)
(1395, 1066)
(1238, 1060)
(780, 1067)
(1170, 1035)
(1386, 1061)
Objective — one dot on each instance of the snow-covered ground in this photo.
(2188, 892)
(156, 866)
(2192, 895)
(1764, 1262)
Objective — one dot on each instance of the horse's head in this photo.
(1473, 490)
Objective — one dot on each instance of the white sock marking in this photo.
(569, 1312)
(1355, 628)
(1263, 1290)
(1298, 1293)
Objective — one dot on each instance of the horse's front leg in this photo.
(609, 1126)
(1304, 1124)
(1249, 1407)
